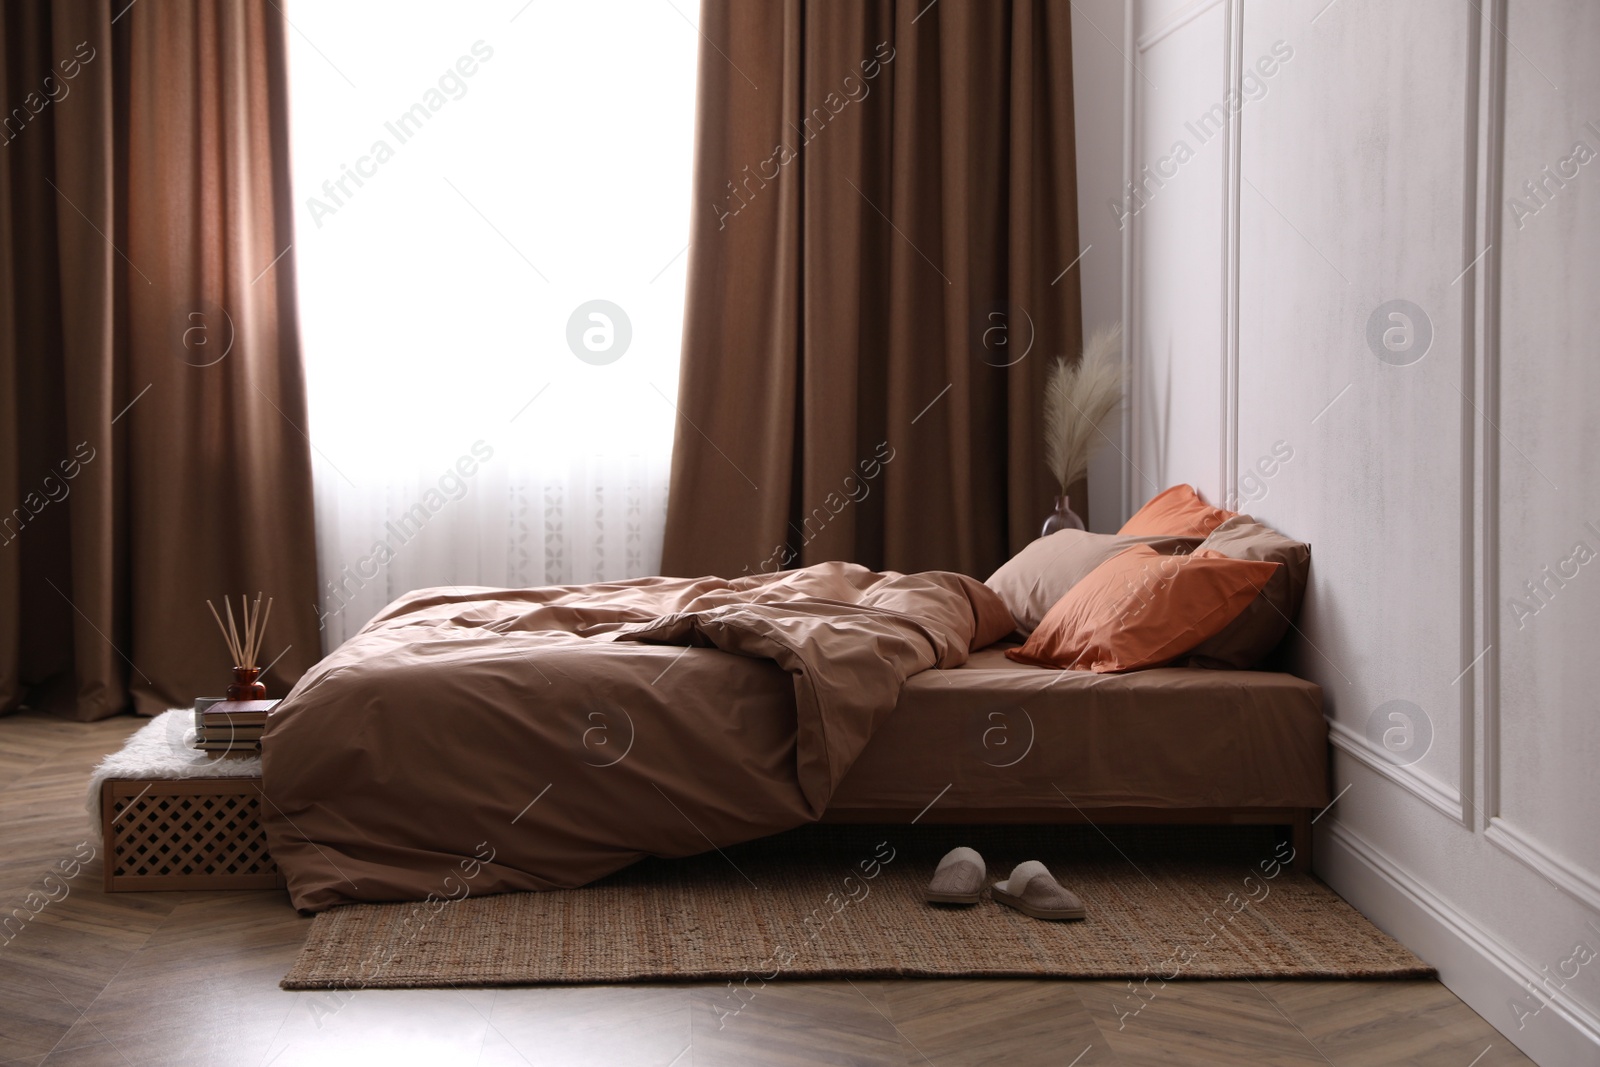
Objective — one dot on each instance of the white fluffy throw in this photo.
(164, 748)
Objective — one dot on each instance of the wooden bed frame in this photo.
(1295, 822)
(205, 833)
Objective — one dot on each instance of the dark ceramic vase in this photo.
(245, 686)
(1062, 518)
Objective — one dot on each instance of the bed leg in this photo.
(1300, 839)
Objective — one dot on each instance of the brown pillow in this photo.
(1034, 579)
(1139, 609)
(1252, 636)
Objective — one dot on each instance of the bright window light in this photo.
(491, 230)
(466, 177)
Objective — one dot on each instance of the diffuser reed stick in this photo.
(245, 648)
(233, 649)
(250, 630)
(238, 646)
(261, 631)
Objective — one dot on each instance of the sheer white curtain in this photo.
(493, 213)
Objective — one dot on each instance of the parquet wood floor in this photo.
(191, 978)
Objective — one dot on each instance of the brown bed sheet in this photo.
(1006, 736)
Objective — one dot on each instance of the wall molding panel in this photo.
(1569, 877)
(1177, 21)
(1488, 326)
(1574, 879)
(1441, 796)
(1481, 968)
(1130, 276)
(1360, 173)
(1229, 476)
(1469, 594)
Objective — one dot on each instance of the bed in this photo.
(998, 742)
(543, 738)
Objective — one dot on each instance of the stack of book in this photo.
(230, 727)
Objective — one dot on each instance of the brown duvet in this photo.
(488, 740)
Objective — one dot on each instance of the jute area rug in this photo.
(847, 901)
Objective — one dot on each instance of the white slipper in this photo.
(958, 879)
(1032, 891)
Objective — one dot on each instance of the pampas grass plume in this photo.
(1077, 400)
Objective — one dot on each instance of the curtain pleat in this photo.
(150, 380)
(885, 201)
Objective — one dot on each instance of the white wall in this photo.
(1374, 159)
(1098, 99)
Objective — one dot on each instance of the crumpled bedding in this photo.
(490, 740)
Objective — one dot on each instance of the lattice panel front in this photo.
(193, 834)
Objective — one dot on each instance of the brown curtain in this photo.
(885, 203)
(152, 405)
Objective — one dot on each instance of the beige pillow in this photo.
(1033, 580)
(1252, 637)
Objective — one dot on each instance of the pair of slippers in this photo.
(960, 877)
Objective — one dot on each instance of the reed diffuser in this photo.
(244, 646)
(1078, 398)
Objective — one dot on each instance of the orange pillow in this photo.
(1142, 609)
(1177, 512)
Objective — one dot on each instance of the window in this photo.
(491, 227)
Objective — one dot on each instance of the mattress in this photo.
(997, 735)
